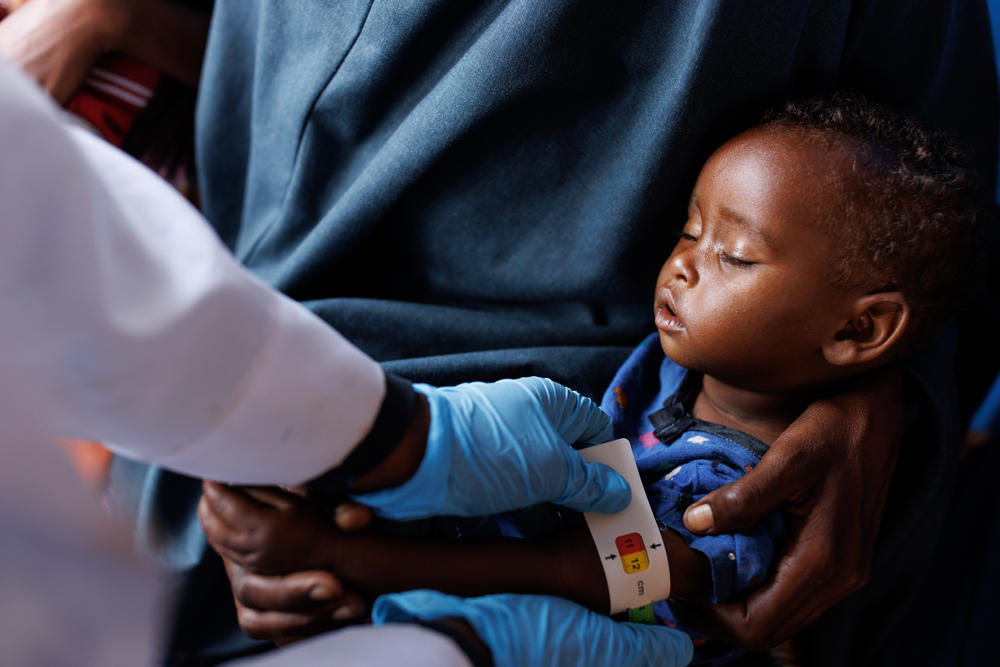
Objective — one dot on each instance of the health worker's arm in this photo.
(129, 320)
(131, 324)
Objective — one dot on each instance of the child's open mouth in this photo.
(666, 317)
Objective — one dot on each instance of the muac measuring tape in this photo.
(629, 542)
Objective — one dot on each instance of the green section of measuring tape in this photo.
(643, 614)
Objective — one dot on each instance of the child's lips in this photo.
(666, 312)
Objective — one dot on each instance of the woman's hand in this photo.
(58, 41)
(830, 471)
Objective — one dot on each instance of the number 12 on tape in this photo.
(632, 552)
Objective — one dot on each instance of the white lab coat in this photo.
(124, 320)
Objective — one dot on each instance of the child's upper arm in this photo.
(739, 561)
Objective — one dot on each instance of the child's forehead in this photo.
(790, 147)
(789, 185)
(779, 159)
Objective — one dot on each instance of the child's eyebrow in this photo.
(747, 224)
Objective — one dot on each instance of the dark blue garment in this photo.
(964, 579)
(986, 420)
(484, 189)
(476, 190)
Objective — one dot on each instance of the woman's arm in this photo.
(58, 41)
(831, 471)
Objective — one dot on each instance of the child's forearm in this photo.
(470, 568)
(566, 565)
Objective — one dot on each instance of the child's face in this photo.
(747, 295)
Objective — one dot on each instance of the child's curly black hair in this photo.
(914, 213)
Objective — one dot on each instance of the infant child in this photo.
(820, 245)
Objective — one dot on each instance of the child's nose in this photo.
(683, 266)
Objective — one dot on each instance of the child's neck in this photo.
(763, 415)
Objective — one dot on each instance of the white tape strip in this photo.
(629, 542)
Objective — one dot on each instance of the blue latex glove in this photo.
(502, 446)
(528, 630)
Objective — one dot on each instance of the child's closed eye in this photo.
(735, 261)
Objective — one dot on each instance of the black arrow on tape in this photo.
(611, 557)
(655, 546)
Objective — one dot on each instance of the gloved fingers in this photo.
(576, 418)
(509, 626)
(595, 487)
(660, 646)
(420, 604)
(502, 446)
(494, 620)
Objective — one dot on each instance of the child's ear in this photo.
(876, 325)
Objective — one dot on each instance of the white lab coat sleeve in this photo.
(73, 588)
(388, 645)
(128, 322)
(74, 591)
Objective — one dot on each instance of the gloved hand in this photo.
(528, 630)
(502, 446)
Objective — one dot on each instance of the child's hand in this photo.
(268, 540)
(286, 607)
(267, 530)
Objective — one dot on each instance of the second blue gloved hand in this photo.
(502, 446)
(530, 630)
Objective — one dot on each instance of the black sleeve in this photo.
(390, 424)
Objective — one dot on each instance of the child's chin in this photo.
(676, 355)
